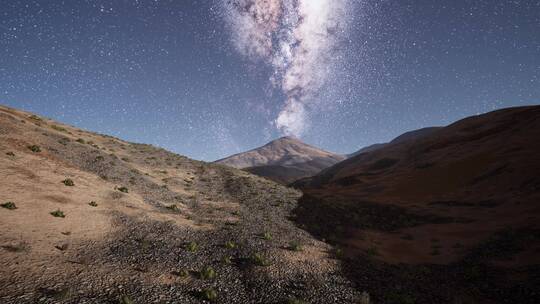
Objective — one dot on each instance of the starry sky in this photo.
(207, 79)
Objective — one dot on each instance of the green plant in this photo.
(208, 273)
(10, 154)
(34, 148)
(125, 299)
(295, 246)
(227, 260)
(192, 247)
(123, 189)
(35, 117)
(230, 245)
(9, 205)
(93, 204)
(267, 236)
(259, 260)
(182, 273)
(80, 140)
(58, 213)
(58, 128)
(173, 207)
(68, 182)
(209, 294)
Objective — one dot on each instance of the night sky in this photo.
(208, 79)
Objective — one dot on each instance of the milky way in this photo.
(298, 39)
(211, 78)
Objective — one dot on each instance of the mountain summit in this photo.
(284, 160)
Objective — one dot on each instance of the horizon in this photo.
(184, 76)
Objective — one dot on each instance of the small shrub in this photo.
(227, 260)
(58, 128)
(34, 148)
(192, 247)
(209, 294)
(100, 158)
(62, 247)
(19, 247)
(435, 251)
(230, 245)
(182, 273)
(93, 204)
(68, 182)
(58, 213)
(9, 205)
(80, 140)
(125, 299)
(36, 118)
(267, 236)
(208, 273)
(259, 260)
(295, 246)
(173, 208)
(10, 154)
(123, 189)
(295, 301)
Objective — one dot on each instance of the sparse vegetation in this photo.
(123, 189)
(183, 273)
(230, 245)
(173, 208)
(19, 247)
(93, 204)
(259, 260)
(192, 247)
(81, 141)
(34, 148)
(9, 205)
(208, 273)
(58, 213)
(68, 182)
(58, 128)
(124, 299)
(209, 294)
(226, 260)
(295, 246)
(295, 301)
(10, 154)
(267, 236)
(35, 117)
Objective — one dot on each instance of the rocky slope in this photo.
(283, 160)
(88, 218)
(452, 217)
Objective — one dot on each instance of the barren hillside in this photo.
(88, 218)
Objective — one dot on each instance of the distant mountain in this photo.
(464, 197)
(284, 160)
(411, 135)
